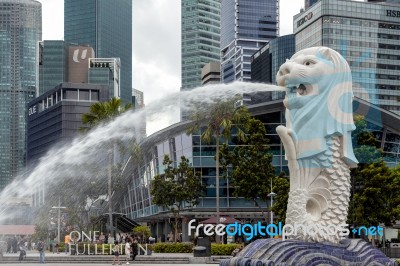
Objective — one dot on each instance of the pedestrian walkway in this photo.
(154, 259)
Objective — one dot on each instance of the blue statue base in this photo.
(275, 252)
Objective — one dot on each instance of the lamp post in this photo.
(59, 207)
(272, 195)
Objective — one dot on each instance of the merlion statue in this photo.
(317, 141)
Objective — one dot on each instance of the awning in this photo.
(17, 229)
(120, 221)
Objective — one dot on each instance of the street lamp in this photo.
(272, 195)
(59, 207)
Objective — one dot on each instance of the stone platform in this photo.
(275, 252)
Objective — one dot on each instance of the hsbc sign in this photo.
(304, 19)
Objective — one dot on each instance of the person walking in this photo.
(127, 250)
(134, 248)
(67, 241)
(22, 251)
(40, 248)
(116, 253)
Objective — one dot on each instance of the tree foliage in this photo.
(219, 120)
(251, 162)
(365, 145)
(143, 231)
(179, 187)
(377, 199)
(281, 186)
(102, 112)
(375, 187)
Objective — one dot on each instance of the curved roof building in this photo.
(135, 201)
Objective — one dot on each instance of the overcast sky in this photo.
(156, 40)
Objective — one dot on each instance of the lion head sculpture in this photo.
(318, 100)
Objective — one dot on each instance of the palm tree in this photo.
(219, 118)
(102, 112)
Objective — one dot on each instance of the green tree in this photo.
(142, 230)
(281, 187)
(177, 188)
(218, 119)
(378, 198)
(365, 145)
(375, 187)
(251, 162)
(102, 112)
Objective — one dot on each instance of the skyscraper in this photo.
(62, 62)
(246, 25)
(21, 30)
(105, 71)
(200, 38)
(308, 3)
(107, 27)
(367, 35)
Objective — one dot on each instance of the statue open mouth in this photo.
(299, 89)
(302, 90)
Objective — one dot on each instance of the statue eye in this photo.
(308, 62)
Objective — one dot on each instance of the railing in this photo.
(391, 252)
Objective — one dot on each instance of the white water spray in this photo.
(70, 161)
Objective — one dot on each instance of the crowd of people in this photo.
(14, 244)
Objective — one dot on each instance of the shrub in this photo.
(223, 249)
(172, 247)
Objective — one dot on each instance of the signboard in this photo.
(304, 19)
(393, 13)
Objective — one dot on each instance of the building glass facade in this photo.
(21, 30)
(265, 62)
(200, 38)
(136, 201)
(52, 64)
(246, 26)
(107, 27)
(367, 35)
(308, 3)
(106, 71)
(56, 116)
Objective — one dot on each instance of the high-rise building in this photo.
(387, 1)
(62, 62)
(265, 62)
(21, 31)
(107, 27)
(106, 71)
(52, 64)
(55, 117)
(265, 65)
(246, 26)
(308, 3)
(137, 98)
(138, 102)
(211, 73)
(200, 38)
(367, 35)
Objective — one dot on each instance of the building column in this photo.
(185, 232)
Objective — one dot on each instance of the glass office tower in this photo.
(246, 25)
(308, 3)
(20, 33)
(367, 35)
(200, 38)
(52, 64)
(107, 27)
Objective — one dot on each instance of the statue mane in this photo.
(319, 100)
